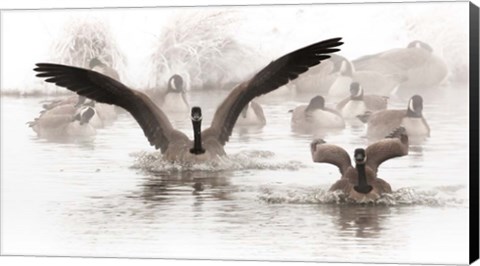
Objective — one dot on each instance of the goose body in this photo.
(287, 91)
(65, 121)
(174, 98)
(352, 108)
(373, 82)
(173, 144)
(315, 117)
(416, 126)
(105, 114)
(358, 103)
(175, 102)
(252, 115)
(344, 77)
(100, 67)
(71, 100)
(320, 78)
(417, 64)
(360, 182)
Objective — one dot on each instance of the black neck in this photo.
(356, 98)
(363, 186)
(197, 138)
(411, 113)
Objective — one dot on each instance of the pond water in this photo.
(110, 196)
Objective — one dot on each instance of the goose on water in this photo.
(360, 182)
(175, 145)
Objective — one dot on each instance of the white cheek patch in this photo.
(410, 106)
(360, 91)
(354, 108)
(343, 67)
(172, 84)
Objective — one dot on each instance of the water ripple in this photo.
(441, 197)
(243, 160)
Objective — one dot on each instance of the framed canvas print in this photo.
(329, 133)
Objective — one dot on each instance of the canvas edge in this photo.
(474, 132)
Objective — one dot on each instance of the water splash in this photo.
(441, 196)
(244, 160)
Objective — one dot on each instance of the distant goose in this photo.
(320, 78)
(70, 106)
(373, 82)
(174, 145)
(100, 67)
(358, 103)
(315, 116)
(174, 99)
(339, 87)
(65, 121)
(71, 100)
(382, 122)
(286, 91)
(251, 115)
(105, 112)
(417, 63)
(360, 183)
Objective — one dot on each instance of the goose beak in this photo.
(360, 157)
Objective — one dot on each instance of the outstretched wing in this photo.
(273, 76)
(394, 145)
(328, 153)
(98, 87)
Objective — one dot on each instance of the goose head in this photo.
(94, 62)
(176, 84)
(360, 158)
(196, 117)
(356, 91)
(420, 45)
(415, 106)
(316, 103)
(84, 115)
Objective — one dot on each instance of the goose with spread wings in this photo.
(360, 183)
(173, 144)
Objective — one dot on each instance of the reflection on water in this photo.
(114, 196)
(360, 221)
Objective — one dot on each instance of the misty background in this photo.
(141, 40)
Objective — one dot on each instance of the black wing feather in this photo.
(273, 76)
(101, 88)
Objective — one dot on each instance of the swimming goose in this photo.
(175, 145)
(358, 103)
(373, 82)
(174, 99)
(251, 115)
(64, 121)
(105, 112)
(70, 105)
(100, 67)
(320, 78)
(382, 122)
(360, 183)
(315, 117)
(74, 100)
(419, 66)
